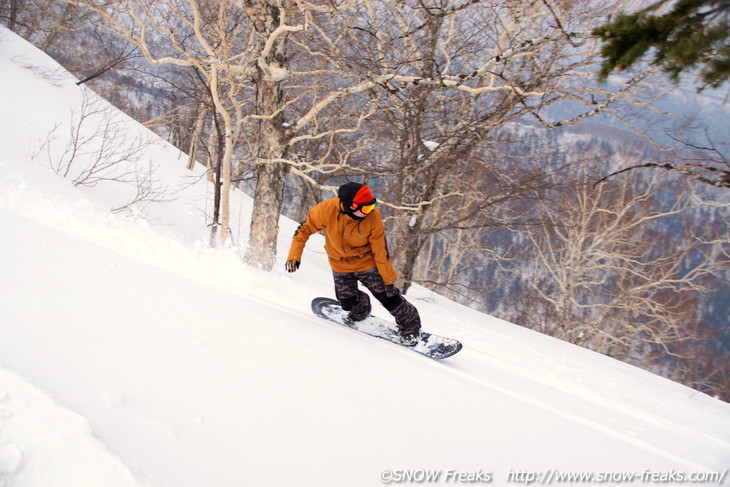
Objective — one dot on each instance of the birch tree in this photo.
(197, 35)
(610, 280)
(243, 51)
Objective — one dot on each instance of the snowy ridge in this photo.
(131, 354)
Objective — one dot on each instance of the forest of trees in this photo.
(478, 124)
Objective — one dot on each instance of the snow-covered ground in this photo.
(131, 354)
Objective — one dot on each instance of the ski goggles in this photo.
(366, 209)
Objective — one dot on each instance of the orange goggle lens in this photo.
(367, 208)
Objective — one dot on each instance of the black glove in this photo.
(292, 265)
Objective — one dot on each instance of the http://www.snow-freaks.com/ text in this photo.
(550, 477)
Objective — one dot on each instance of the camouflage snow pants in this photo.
(358, 303)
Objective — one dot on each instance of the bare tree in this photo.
(208, 37)
(447, 75)
(101, 148)
(241, 49)
(470, 234)
(608, 279)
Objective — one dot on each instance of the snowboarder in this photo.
(357, 251)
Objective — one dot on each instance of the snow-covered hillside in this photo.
(131, 354)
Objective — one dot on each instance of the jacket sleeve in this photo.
(379, 245)
(311, 226)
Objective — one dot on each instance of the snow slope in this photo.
(133, 355)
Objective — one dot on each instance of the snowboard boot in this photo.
(353, 318)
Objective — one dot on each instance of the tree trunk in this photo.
(197, 130)
(268, 201)
(408, 245)
(215, 164)
(269, 194)
(216, 205)
(272, 136)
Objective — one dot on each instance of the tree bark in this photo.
(271, 137)
(268, 200)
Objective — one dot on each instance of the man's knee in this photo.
(390, 300)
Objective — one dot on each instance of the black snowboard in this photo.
(433, 346)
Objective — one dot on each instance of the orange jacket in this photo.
(351, 245)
